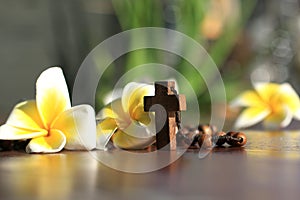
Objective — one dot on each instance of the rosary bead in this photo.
(205, 135)
(196, 136)
(236, 139)
(187, 136)
(230, 139)
(194, 132)
(231, 133)
(242, 139)
(204, 141)
(221, 139)
(207, 129)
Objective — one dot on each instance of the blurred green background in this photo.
(248, 40)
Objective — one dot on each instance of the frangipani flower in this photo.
(274, 104)
(124, 120)
(49, 121)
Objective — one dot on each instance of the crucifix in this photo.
(165, 104)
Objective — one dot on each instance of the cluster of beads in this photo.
(9, 145)
(204, 136)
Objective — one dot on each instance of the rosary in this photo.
(168, 124)
(204, 136)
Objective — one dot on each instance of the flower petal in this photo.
(247, 98)
(105, 129)
(52, 96)
(290, 98)
(25, 116)
(113, 95)
(297, 114)
(141, 116)
(53, 142)
(135, 136)
(139, 130)
(125, 141)
(109, 112)
(8, 132)
(280, 119)
(115, 111)
(251, 116)
(78, 124)
(133, 95)
(267, 91)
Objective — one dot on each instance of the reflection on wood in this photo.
(281, 144)
(266, 168)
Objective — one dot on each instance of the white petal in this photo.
(267, 91)
(133, 94)
(288, 118)
(138, 130)
(52, 96)
(79, 126)
(251, 116)
(247, 98)
(8, 132)
(113, 95)
(52, 143)
(135, 136)
(297, 114)
(290, 98)
(105, 130)
(280, 119)
(25, 116)
(125, 141)
(113, 110)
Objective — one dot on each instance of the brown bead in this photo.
(205, 129)
(242, 139)
(220, 138)
(187, 136)
(196, 136)
(199, 139)
(238, 139)
(230, 139)
(205, 141)
(231, 133)
(194, 131)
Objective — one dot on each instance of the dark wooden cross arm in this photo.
(165, 114)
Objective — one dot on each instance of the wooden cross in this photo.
(165, 103)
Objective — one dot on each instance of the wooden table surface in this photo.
(268, 167)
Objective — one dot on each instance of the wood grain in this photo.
(266, 168)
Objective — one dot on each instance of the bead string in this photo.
(177, 113)
(206, 135)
